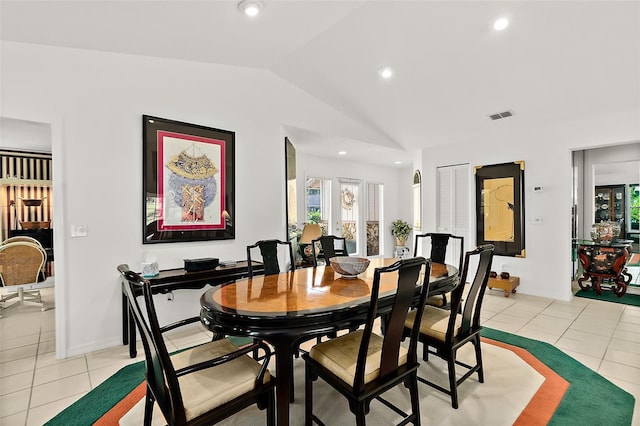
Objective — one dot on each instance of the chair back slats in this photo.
(409, 278)
(473, 299)
(270, 259)
(269, 252)
(331, 246)
(440, 246)
(21, 263)
(160, 375)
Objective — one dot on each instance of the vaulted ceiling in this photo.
(557, 61)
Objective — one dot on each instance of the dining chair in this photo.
(362, 365)
(330, 246)
(438, 247)
(447, 330)
(201, 385)
(270, 256)
(21, 267)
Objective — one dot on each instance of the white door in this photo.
(454, 202)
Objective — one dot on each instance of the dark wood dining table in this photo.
(292, 307)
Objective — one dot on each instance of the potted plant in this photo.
(401, 230)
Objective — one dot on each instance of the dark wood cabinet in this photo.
(610, 205)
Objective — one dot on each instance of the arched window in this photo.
(417, 201)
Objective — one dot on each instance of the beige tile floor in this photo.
(35, 386)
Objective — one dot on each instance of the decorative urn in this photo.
(605, 232)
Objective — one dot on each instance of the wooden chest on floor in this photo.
(508, 285)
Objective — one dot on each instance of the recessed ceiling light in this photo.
(386, 72)
(342, 152)
(398, 162)
(250, 7)
(501, 24)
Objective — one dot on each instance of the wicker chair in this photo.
(21, 239)
(27, 239)
(21, 264)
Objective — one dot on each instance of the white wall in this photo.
(95, 102)
(546, 269)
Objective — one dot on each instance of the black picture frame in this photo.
(500, 207)
(188, 182)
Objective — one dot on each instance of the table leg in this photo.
(284, 377)
(125, 320)
(133, 351)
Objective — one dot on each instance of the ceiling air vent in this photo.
(499, 115)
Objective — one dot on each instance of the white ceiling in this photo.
(558, 61)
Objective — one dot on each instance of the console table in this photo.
(605, 264)
(179, 279)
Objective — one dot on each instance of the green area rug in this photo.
(98, 401)
(608, 296)
(590, 400)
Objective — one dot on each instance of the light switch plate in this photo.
(79, 231)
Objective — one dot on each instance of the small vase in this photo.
(400, 241)
(605, 232)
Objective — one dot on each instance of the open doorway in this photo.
(606, 187)
(26, 192)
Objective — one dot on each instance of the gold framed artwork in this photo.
(500, 207)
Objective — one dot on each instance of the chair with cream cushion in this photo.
(362, 365)
(21, 265)
(444, 331)
(438, 246)
(202, 385)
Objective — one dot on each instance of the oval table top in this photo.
(306, 293)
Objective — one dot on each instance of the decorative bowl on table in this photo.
(349, 267)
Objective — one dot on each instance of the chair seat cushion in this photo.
(434, 322)
(439, 300)
(207, 389)
(340, 356)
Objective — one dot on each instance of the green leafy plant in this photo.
(400, 229)
(314, 217)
